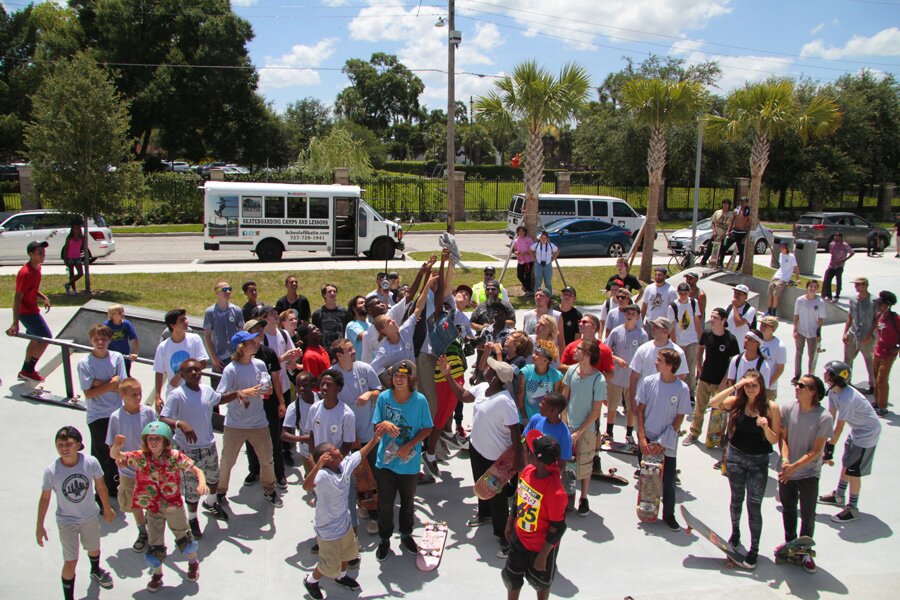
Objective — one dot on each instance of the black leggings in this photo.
(736, 237)
(525, 275)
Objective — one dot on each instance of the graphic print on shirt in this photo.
(394, 414)
(176, 359)
(528, 507)
(75, 487)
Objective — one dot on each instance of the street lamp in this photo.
(454, 38)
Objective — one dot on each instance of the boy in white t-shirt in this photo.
(787, 269)
(809, 316)
(180, 346)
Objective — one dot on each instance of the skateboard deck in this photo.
(619, 447)
(366, 492)
(496, 478)
(694, 524)
(431, 546)
(650, 487)
(609, 477)
(718, 418)
(793, 552)
(40, 394)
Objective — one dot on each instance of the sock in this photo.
(629, 429)
(68, 588)
(191, 514)
(211, 499)
(342, 574)
(29, 365)
(142, 528)
(220, 496)
(854, 499)
(95, 563)
(774, 310)
(609, 429)
(430, 457)
(311, 579)
(841, 489)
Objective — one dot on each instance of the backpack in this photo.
(737, 361)
(743, 312)
(674, 306)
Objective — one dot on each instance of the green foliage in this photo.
(337, 149)
(303, 120)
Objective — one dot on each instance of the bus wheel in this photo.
(382, 250)
(269, 251)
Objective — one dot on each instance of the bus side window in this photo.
(318, 208)
(296, 207)
(274, 207)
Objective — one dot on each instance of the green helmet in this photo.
(157, 428)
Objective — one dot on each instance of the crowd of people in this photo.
(382, 381)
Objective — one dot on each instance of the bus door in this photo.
(345, 226)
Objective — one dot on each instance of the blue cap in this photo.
(240, 337)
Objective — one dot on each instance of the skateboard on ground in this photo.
(609, 476)
(496, 478)
(650, 485)
(431, 546)
(694, 524)
(718, 418)
(366, 492)
(794, 551)
(40, 394)
(619, 447)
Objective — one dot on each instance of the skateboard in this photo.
(609, 477)
(793, 552)
(366, 492)
(431, 546)
(718, 418)
(496, 478)
(694, 524)
(650, 485)
(41, 394)
(619, 447)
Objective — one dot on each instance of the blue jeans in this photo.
(543, 273)
(748, 475)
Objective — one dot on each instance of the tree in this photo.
(337, 149)
(304, 120)
(533, 98)
(80, 150)
(763, 112)
(659, 104)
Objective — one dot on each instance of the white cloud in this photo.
(685, 46)
(736, 70)
(287, 70)
(884, 43)
(817, 29)
(243, 2)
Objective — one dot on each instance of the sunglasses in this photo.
(621, 297)
(803, 386)
(227, 290)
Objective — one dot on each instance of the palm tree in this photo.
(658, 104)
(534, 97)
(766, 111)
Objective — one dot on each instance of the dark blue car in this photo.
(589, 237)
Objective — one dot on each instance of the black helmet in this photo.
(839, 371)
(887, 297)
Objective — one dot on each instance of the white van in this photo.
(271, 218)
(561, 206)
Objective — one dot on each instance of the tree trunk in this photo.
(534, 177)
(759, 160)
(656, 163)
(85, 236)
(782, 198)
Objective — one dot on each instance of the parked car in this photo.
(589, 237)
(552, 207)
(821, 227)
(18, 229)
(681, 239)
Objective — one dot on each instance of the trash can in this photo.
(775, 248)
(806, 256)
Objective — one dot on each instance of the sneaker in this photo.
(384, 548)
(848, 514)
(103, 578)
(251, 479)
(288, 458)
(155, 582)
(349, 583)
(68, 286)
(808, 564)
(274, 500)
(477, 521)
(503, 551)
(833, 499)
(408, 544)
(193, 573)
(425, 477)
(314, 549)
(750, 560)
(140, 544)
(216, 510)
(450, 439)
(195, 528)
(629, 439)
(30, 376)
(313, 589)
(461, 432)
(282, 484)
(688, 440)
(354, 564)
(637, 473)
(372, 527)
(881, 412)
(584, 508)
(431, 467)
(672, 523)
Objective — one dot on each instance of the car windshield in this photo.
(558, 225)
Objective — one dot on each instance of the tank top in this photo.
(748, 437)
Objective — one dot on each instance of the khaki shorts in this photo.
(89, 532)
(125, 494)
(776, 286)
(615, 396)
(332, 553)
(585, 449)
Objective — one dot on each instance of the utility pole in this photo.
(453, 39)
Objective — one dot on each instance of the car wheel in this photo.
(761, 247)
(269, 251)
(382, 250)
(615, 250)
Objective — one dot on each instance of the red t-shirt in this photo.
(604, 365)
(28, 281)
(887, 335)
(316, 360)
(538, 502)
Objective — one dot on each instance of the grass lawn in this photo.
(464, 256)
(179, 228)
(460, 226)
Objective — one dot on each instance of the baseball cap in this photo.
(503, 370)
(404, 366)
(661, 270)
(692, 274)
(492, 284)
(769, 320)
(463, 288)
(861, 280)
(240, 337)
(490, 269)
(617, 282)
(393, 275)
(543, 290)
(69, 433)
(544, 447)
(568, 290)
(663, 322)
(742, 288)
(262, 310)
(249, 325)
(683, 287)
(32, 246)
(633, 307)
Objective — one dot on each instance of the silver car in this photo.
(681, 239)
(52, 226)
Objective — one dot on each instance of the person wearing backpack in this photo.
(775, 352)
(887, 345)
(740, 317)
(685, 314)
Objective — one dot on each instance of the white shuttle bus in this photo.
(272, 218)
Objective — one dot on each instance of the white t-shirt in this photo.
(169, 355)
(237, 376)
(644, 361)
(786, 265)
(194, 407)
(531, 318)
(854, 409)
(291, 421)
(543, 253)
(74, 487)
(281, 342)
(336, 426)
(657, 300)
(740, 332)
(625, 344)
(685, 328)
(91, 368)
(808, 313)
(332, 519)
(370, 343)
(492, 416)
(776, 354)
(361, 378)
(130, 425)
(389, 354)
(664, 402)
(740, 365)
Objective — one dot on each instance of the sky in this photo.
(301, 45)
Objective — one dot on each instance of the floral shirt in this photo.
(157, 482)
